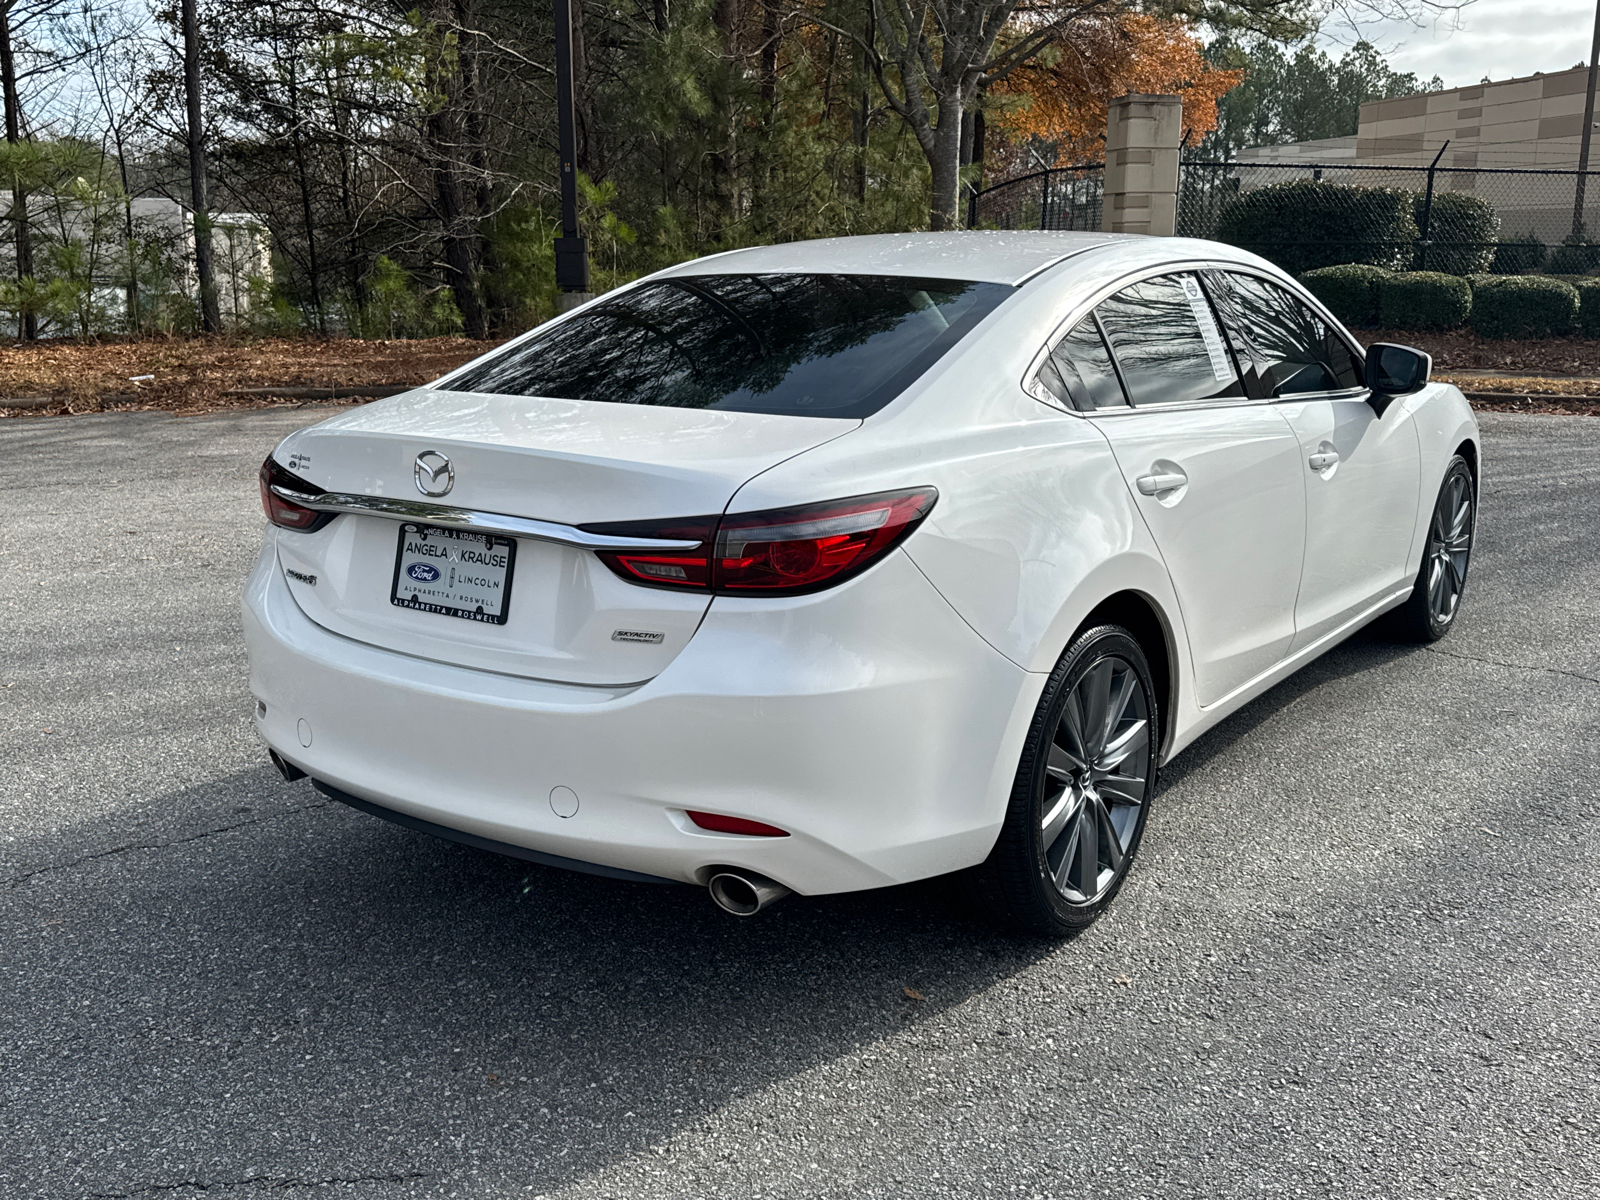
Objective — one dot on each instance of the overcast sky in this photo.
(1502, 39)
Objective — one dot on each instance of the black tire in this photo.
(1435, 600)
(1038, 877)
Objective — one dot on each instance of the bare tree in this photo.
(210, 308)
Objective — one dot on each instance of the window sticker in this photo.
(1209, 333)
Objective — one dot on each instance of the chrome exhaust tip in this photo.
(744, 893)
(287, 769)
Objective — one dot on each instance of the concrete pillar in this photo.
(1141, 182)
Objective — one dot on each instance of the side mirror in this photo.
(1395, 371)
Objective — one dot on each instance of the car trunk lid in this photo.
(566, 617)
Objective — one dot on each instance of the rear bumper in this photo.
(869, 721)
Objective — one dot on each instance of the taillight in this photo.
(781, 552)
(285, 513)
(788, 551)
(718, 823)
(689, 569)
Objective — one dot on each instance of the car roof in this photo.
(978, 256)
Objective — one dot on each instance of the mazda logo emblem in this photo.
(435, 476)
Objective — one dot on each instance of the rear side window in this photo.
(1168, 343)
(801, 345)
(1295, 350)
(1079, 371)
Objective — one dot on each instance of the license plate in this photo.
(454, 573)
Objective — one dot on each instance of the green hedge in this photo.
(1423, 300)
(1589, 308)
(1521, 255)
(1519, 306)
(1575, 256)
(1350, 290)
(1305, 224)
(1461, 230)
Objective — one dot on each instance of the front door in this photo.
(1216, 476)
(1361, 470)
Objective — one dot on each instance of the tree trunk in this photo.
(944, 159)
(458, 233)
(767, 74)
(28, 323)
(724, 163)
(859, 119)
(591, 152)
(353, 250)
(129, 249)
(976, 185)
(307, 215)
(210, 310)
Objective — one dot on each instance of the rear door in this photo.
(1215, 474)
(1360, 469)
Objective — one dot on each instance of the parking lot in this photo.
(1359, 955)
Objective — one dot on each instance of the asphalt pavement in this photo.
(1360, 954)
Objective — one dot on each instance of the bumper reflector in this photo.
(718, 823)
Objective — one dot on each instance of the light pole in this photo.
(572, 252)
(1587, 132)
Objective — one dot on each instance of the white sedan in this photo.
(834, 565)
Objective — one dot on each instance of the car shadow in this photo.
(321, 976)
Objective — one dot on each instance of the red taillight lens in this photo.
(781, 552)
(285, 513)
(789, 551)
(689, 569)
(718, 823)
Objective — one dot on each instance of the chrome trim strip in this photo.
(477, 522)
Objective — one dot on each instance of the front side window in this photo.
(1079, 371)
(1295, 350)
(801, 345)
(1168, 343)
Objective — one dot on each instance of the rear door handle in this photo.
(1323, 459)
(1154, 485)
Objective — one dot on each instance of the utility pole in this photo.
(210, 309)
(572, 251)
(1588, 131)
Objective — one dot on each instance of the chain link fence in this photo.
(1305, 215)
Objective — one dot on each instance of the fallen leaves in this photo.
(192, 374)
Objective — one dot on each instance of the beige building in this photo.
(1532, 122)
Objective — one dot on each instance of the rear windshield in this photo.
(803, 345)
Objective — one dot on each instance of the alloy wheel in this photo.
(1449, 544)
(1095, 780)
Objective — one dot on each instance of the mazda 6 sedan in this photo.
(839, 564)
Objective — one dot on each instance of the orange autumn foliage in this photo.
(1064, 101)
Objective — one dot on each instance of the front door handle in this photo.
(1323, 459)
(1154, 485)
